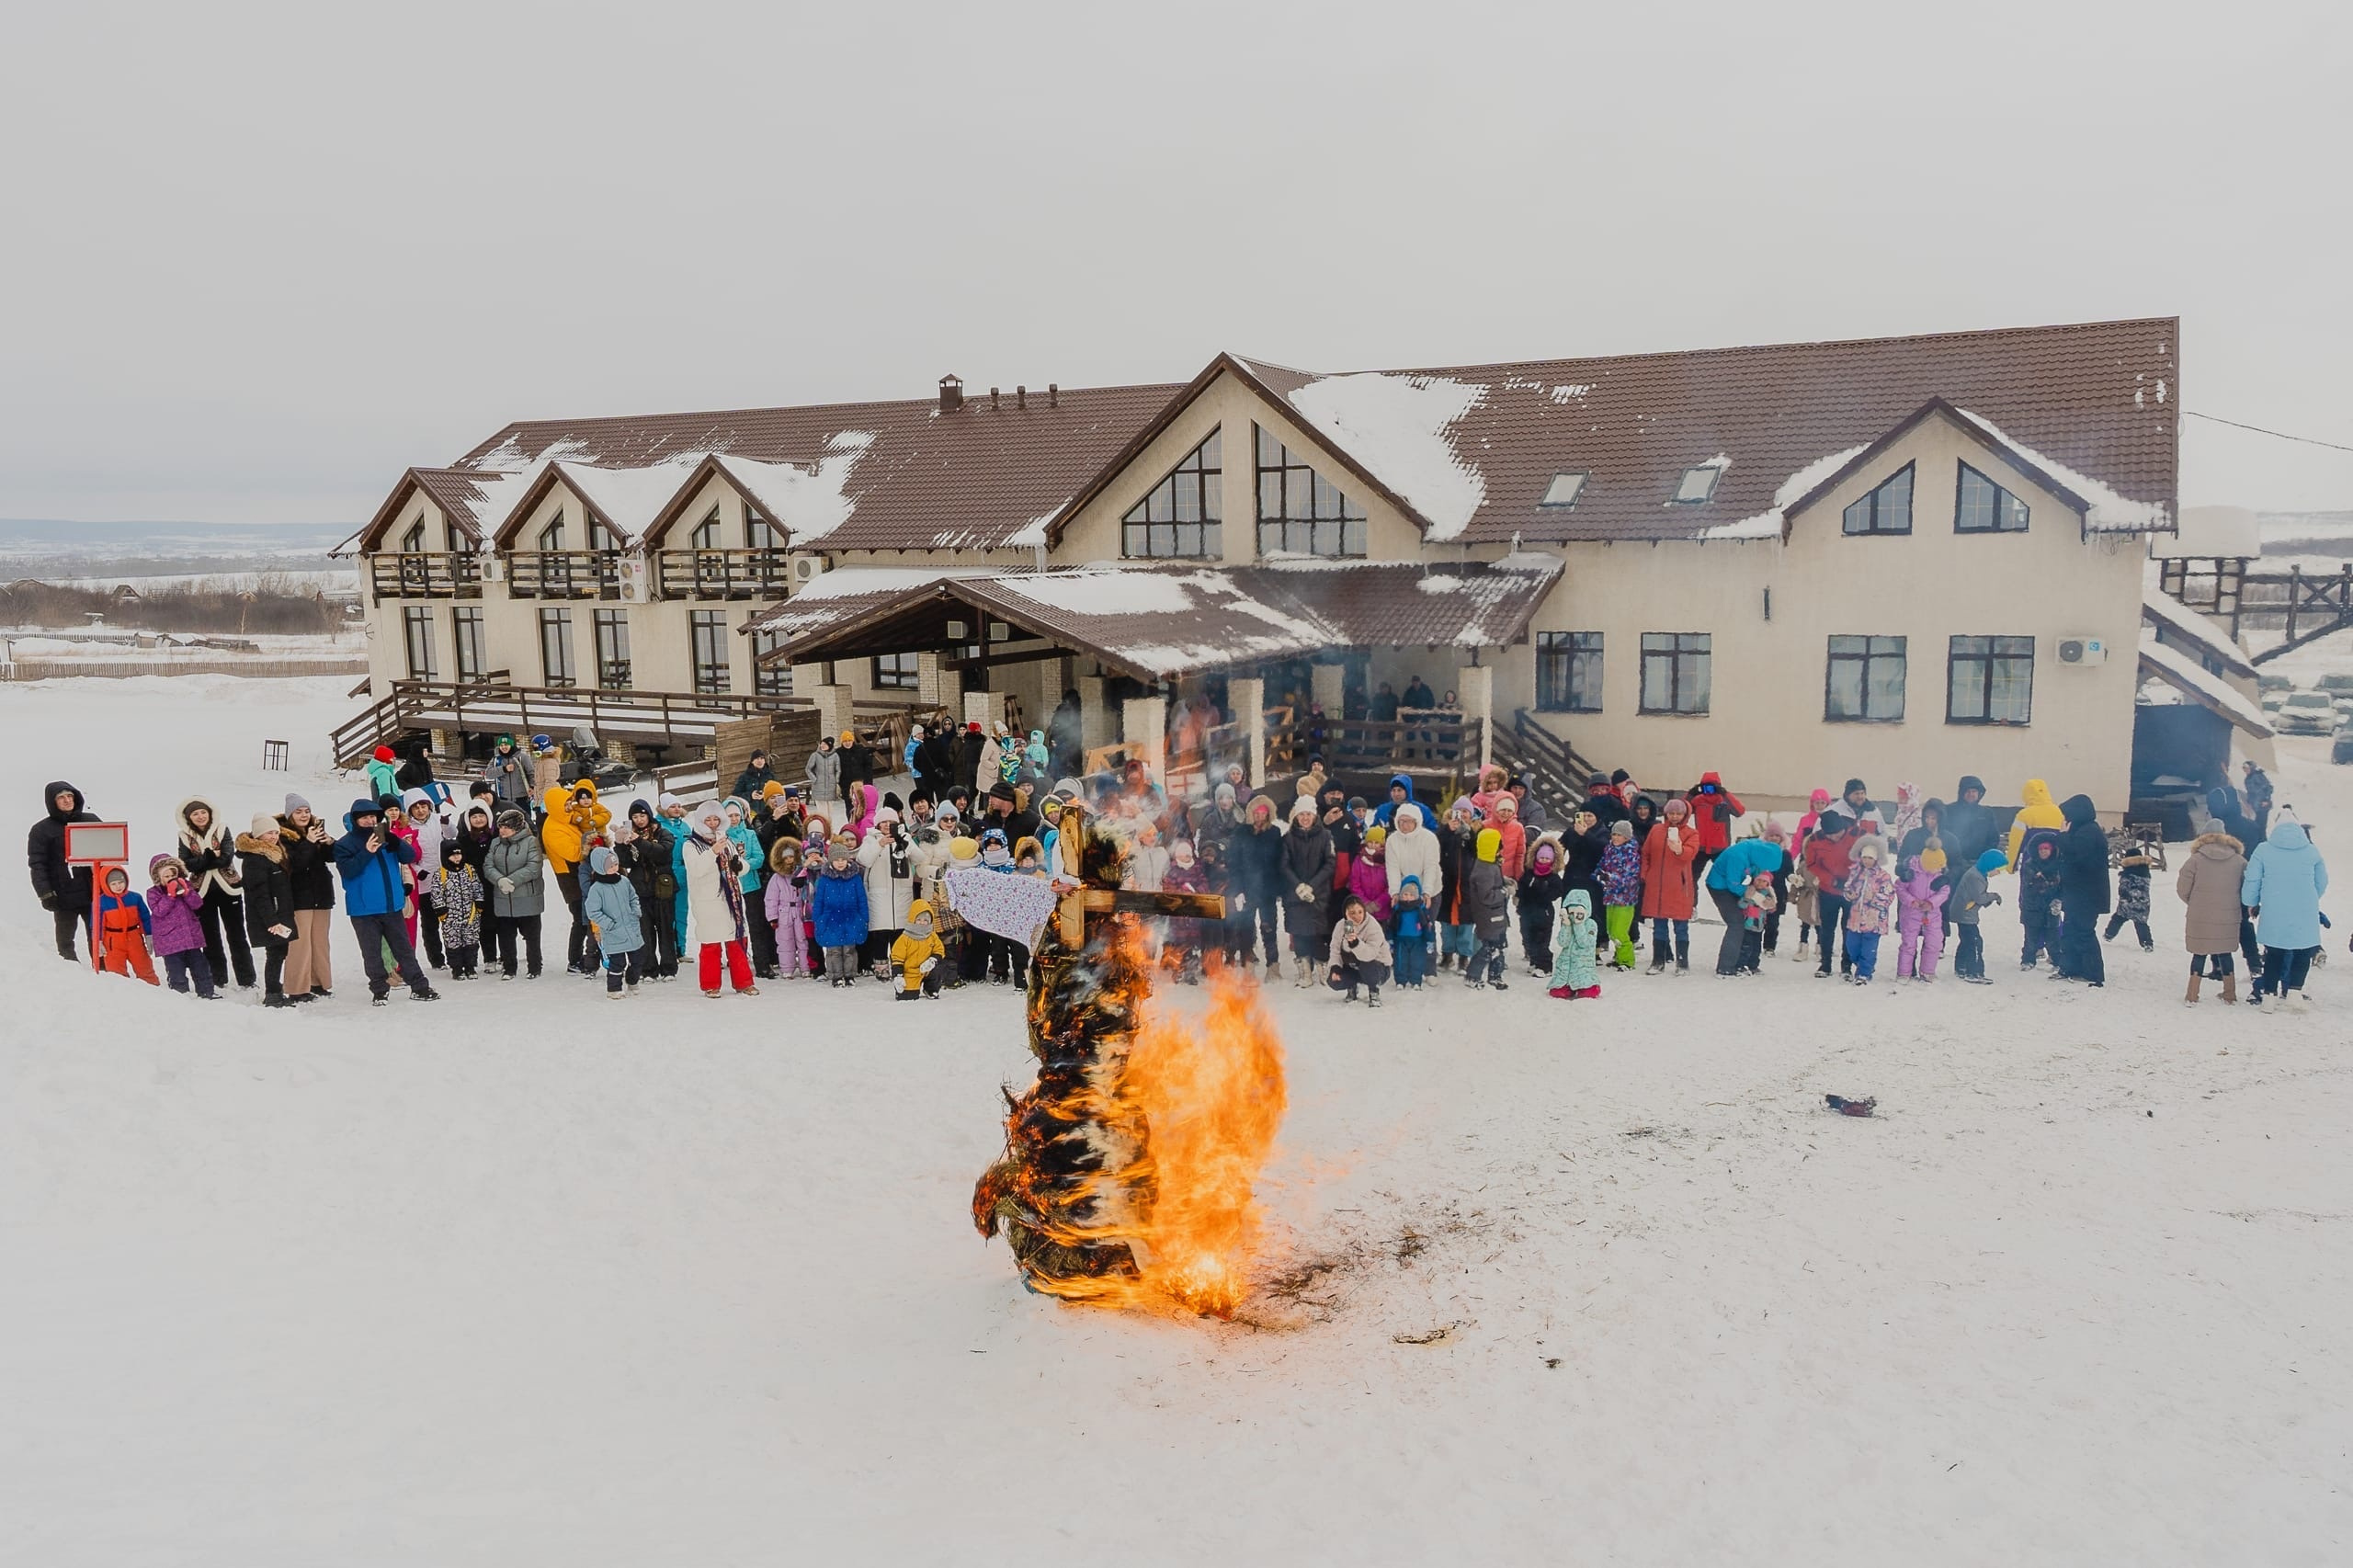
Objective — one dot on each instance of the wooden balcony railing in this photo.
(721, 574)
(564, 574)
(424, 576)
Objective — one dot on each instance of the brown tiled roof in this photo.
(1153, 622)
(975, 479)
(457, 492)
(2101, 398)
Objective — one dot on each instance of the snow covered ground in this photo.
(522, 1277)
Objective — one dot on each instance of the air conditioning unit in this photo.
(634, 580)
(491, 563)
(2083, 651)
(806, 569)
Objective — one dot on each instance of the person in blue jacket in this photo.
(1728, 878)
(609, 902)
(2285, 878)
(369, 858)
(838, 907)
(1401, 794)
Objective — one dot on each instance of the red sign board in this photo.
(97, 843)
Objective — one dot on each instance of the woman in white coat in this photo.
(889, 862)
(714, 865)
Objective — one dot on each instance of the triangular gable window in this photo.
(413, 542)
(1886, 510)
(1984, 507)
(1183, 517)
(1300, 511)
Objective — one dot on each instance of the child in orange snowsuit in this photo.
(122, 929)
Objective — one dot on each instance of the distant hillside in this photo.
(52, 549)
(2307, 533)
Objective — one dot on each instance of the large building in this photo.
(1911, 557)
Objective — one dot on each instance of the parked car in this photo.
(2305, 713)
(2340, 750)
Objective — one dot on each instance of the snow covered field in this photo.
(525, 1278)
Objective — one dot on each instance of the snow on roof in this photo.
(807, 504)
(847, 582)
(1396, 427)
(2202, 686)
(2171, 615)
(1106, 592)
(2108, 512)
(1771, 523)
(630, 498)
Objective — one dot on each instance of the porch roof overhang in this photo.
(1153, 624)
(2202, 687)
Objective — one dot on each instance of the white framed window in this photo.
(1564, 489)
(1697, 484)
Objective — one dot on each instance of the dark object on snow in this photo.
(1845, 1107)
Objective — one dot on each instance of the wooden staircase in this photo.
(1554, 770)
(659, 722)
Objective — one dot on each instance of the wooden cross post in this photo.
(1071, 915)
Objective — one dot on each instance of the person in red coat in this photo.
(1829, 856)
(1712, 810)
(1670, 856)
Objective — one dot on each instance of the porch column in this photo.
(1146, 728)
(930, 688)
(835, 712)
(1331, 687)
(1246, 695)
(1094, 719)
(1477, 685)
(980, 707)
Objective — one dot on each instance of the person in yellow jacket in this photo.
(918, 955)
(575, 823)
(2039, 811)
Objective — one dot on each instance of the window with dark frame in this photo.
(759, 533)
(1990, 680)
(894, 671)
(1886, 510)
(1568, 672)
(1300, 511)
(552, 536)
(413, 542)
(1982, 507)
(416, 625)
(706, 534)
(1698, 486)
(467, 639)
(1676, 672)
(1863, 683)
(612, 650)
(555, 648)
(774, 679)
(1183, 517)
(708, 633)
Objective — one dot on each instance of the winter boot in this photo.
(2189, 999)
(2231, 986)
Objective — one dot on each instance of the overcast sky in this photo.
(259, 259)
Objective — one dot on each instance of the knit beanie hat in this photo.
(295, 803)
(263, 825)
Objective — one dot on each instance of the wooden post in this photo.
(1246, 695)
(1144, 721)
(1476, 683)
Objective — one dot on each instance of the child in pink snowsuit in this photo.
(1919, 922)
(788, 908)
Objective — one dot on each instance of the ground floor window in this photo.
(1864, 680)
(773, 678)
(1675, 673)
(710, 631)
(467, 637)
(894, 671)
(612, 650)
(555, 648)
(1990, 680)
(1568, 672)
(417, 630)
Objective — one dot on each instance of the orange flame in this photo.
(1213, 1096)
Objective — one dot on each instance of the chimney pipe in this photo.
(1021, 397)
(1053, 394)
(994, 402)
(951, 393)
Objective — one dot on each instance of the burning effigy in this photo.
(1130, 1166)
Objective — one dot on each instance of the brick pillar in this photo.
(980, 707)
(834, 712)
(931, 681)
(1094, 719)
(1246, 695)
(1477, 685)
(1145, 721)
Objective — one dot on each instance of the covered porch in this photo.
(1191, 668)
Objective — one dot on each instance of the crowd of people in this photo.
(846, 867)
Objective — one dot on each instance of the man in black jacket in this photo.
(63, 889)
(969, 746)
(2082, 891)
